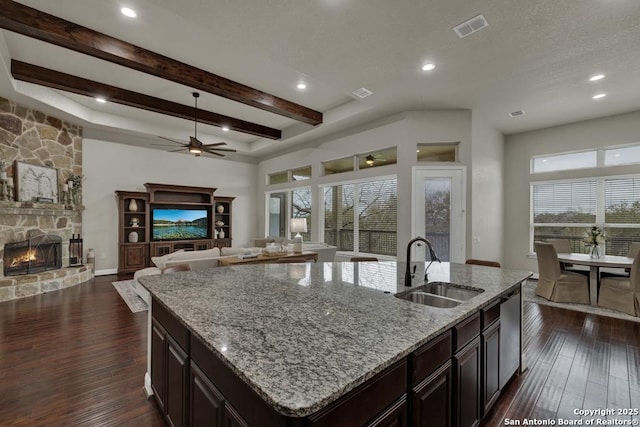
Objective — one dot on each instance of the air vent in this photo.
(517, 113)
(362, 92)
(471, 26)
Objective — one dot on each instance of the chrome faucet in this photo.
(432, 255)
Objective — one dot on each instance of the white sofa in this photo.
(201, 260)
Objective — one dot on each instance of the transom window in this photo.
(602, 157)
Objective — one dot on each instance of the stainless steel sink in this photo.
(440, 294)
(429, 299)
(450, 290)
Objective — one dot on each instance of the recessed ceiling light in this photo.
(417, 151)
(596, 77)
(301, 85)
(600, 95)
(128, 12)
(225, 128)
(101, 100)
(428, 67)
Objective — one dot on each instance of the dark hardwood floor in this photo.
(576, 361)
(74, 357)
(77, 357)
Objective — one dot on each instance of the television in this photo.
(170, 223)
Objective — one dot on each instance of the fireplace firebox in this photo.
(40, 253)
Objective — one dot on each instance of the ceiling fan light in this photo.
(195, 150)
(369, 160)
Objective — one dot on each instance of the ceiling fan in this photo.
(195, 146)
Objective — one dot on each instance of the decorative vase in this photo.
(133, 206)
(133, 237)
(221, 234)
(220, 209)
(595, 251)
(135, 222)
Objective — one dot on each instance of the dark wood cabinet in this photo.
(490, 366)
(467, 385)
(431, 405)
(232, 418)
(395, 416)
(206, 402)
(177, 384)
(133, 231)
(158, 363)
(170, 373)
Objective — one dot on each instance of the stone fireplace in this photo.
(30, 136)
(35, 255)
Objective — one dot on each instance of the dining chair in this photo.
(564, 246)
(175, 268)
(473, 261)
(622, 293)
(363, 258)
(555, 284)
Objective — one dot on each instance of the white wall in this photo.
(404, 130)
(487, 192)
(615, 130)
(109, 167)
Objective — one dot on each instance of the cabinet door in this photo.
(395, 416)
(133, 257)
(490, 366)
(232, 418)
(177, 384)
(158, 346)
(432, 399)
(467, 381)
(206, 401)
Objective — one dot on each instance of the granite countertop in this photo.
(302, 335)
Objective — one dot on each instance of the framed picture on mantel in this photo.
(35, 182)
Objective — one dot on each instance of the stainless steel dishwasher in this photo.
(510, 312)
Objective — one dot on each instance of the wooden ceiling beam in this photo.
(31, 22)
(57, 80)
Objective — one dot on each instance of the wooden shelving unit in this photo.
(223, 216)
(133, 231)
(135, 253)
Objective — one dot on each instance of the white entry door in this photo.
(439, 211)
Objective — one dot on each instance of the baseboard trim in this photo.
(107, 272)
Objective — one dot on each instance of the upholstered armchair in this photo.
(555, 284)
(622, 293)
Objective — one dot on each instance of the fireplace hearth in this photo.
(37, 254)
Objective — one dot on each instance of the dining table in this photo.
(595, 264)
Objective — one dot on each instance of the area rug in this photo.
(128, 293)
(529, 294)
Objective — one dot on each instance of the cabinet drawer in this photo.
(490, 314)
(465, 331)
(430, 356)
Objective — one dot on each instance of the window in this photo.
(565, 209)
(387, 156)
(290, 175)
(437, 152)
(338, 166)
(362, 217)
(561, 162)
(622, 156)
(284, 205)
(601, 157)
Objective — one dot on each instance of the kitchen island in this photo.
(316, 344)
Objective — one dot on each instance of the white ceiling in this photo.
(535, 55)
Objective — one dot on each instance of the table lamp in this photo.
(298, 225)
